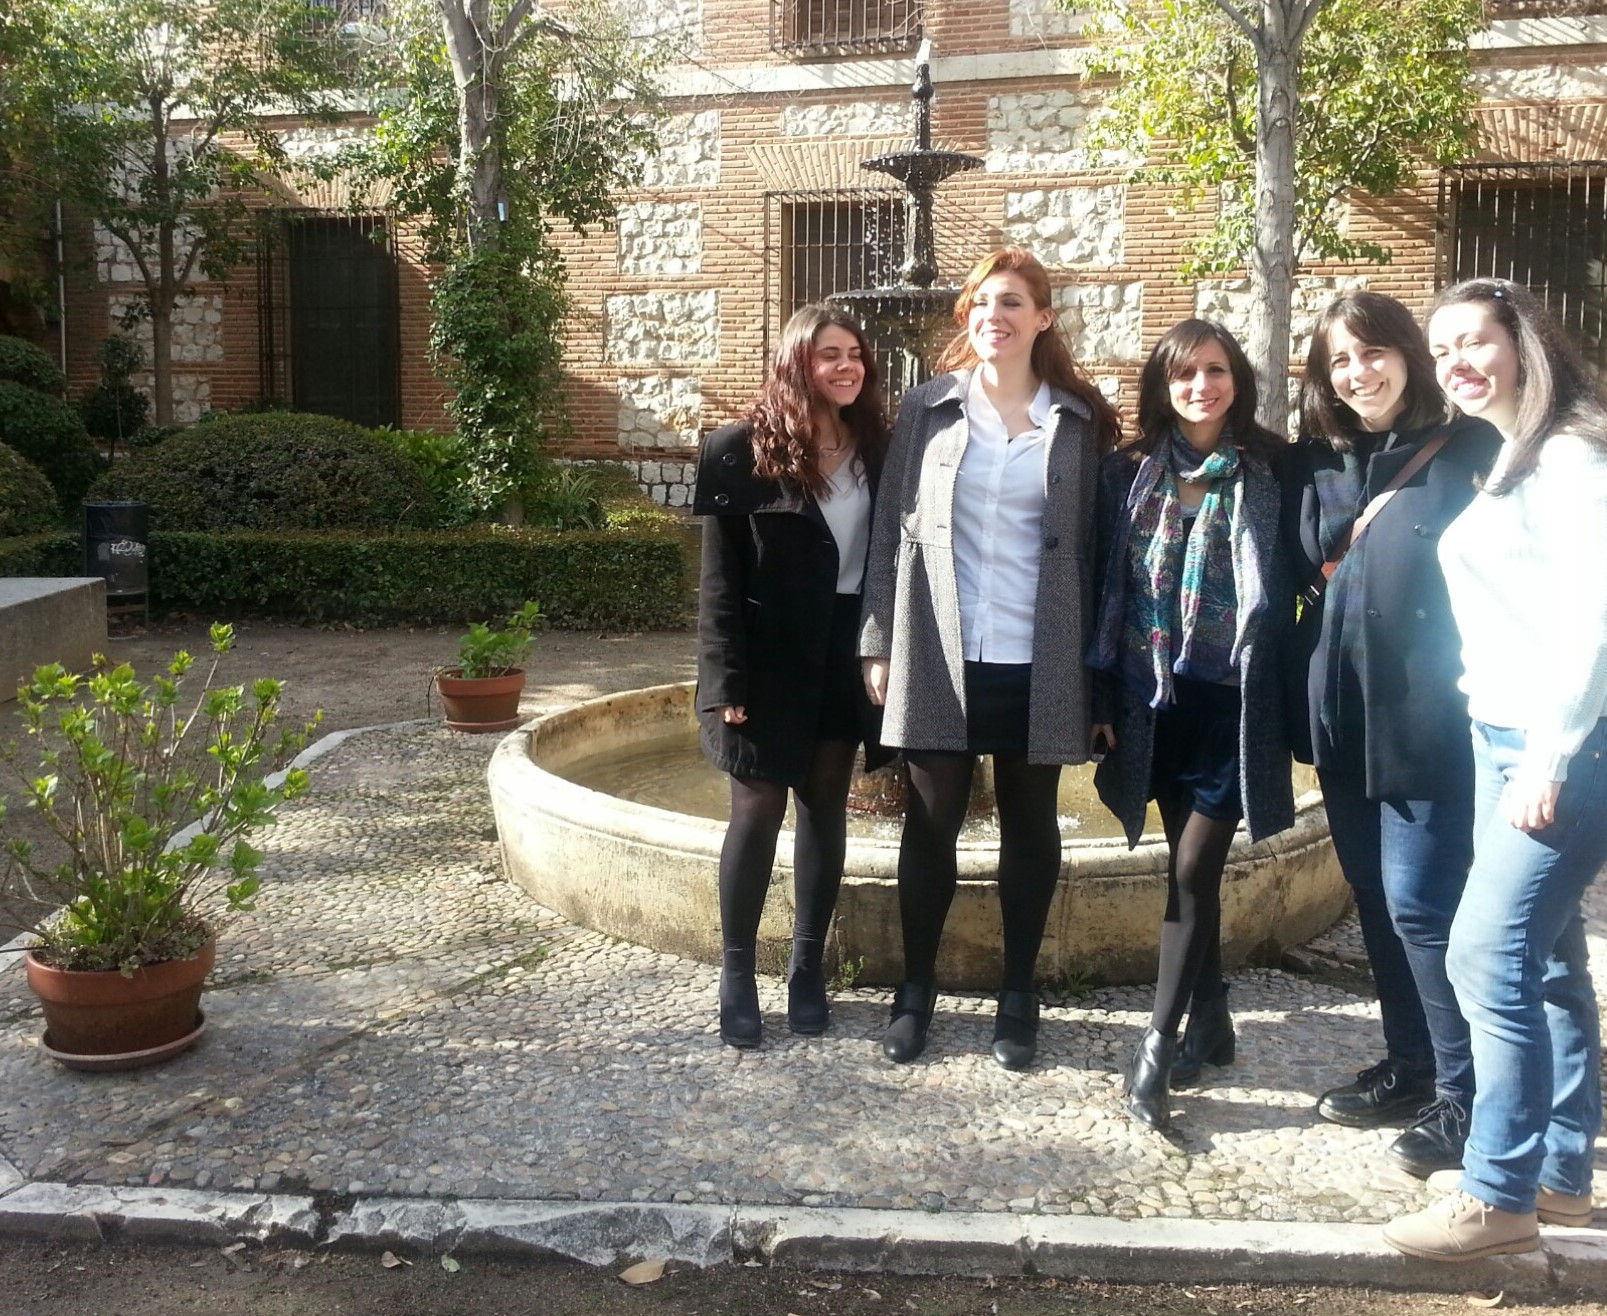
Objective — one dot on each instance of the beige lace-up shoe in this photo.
(1462, 1228)
(1552, 1207)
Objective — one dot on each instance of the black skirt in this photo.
(842, 690)
(1197, 749)
(998, 699)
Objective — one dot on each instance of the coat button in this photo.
(1055, 478)
(1374, 612)
(1421, 614)
(1053, 541)
(730, 459)
(720, 500)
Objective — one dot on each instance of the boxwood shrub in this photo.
(23, 363)
(279, 470)
(585, 580)
(27, 502)
(49, 433)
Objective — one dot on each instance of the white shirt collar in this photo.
(1037, 409)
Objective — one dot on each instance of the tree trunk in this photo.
(1272, 262)
(162, 359)
(467, 26)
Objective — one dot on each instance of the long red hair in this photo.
(782, 418)
(1052, 360)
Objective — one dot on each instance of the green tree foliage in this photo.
(1277, 112)
(509, 124)
(1383, 90)
(23, 363)
(145, 116)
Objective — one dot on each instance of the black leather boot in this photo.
(739, 1000)
(808, 1012)
(905, 1038)
(1208, 1040)
(1015, 1029)
(1149, 1094)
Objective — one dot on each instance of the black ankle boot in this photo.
(808, 1011)
(1208, 1039)
(739, 1000)
(905, 1038)
(1015, 1029)
(1149, 1095)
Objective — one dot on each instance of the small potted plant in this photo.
(149, 791)
(482, 692)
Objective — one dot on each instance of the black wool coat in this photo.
(765, 598)
(1403, 726)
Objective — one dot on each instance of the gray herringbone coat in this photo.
(1123, 779)
(912, 608)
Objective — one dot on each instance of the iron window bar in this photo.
(845, 27)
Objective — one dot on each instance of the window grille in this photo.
(1541, 225)
(844, 27)
(1495, 10)
(328, 317)
(821, 243)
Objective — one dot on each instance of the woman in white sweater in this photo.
(1526, 566)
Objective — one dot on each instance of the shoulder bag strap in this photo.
(1358, 527)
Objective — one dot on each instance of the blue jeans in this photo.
(1407, 861)
(1518, 960)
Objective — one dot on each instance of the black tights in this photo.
(749, 852)
(1029, 857)
(1191, 936)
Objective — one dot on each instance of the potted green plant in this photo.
(482, 692)
(148, 791)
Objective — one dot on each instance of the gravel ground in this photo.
(398, 1019)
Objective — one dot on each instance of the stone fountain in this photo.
(645, 868)
(911, 313)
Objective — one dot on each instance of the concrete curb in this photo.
(897, 1242)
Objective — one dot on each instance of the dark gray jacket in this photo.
(1123, 779)
(912, 606)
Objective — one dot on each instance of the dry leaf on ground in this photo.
(643, 1272)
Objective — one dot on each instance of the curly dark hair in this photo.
(782, 418)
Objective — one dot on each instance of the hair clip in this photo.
(1499, 292)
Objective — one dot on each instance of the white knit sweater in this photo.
(1527, 573)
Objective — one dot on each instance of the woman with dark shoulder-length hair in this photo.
(977, 607)
(786, 496)
(1376, 655)
(1526, 566)
(1190, 705)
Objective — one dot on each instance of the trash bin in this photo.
(115, 539)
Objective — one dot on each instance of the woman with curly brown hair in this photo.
(786, 496)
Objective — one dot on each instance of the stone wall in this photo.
(1104, 320)
(849, 119)
(660, 237)
(659, 411)
(689, 152)
(1228, 302)
(663, 328)
(1045, 18)
(1044, 132)
(1069, 225)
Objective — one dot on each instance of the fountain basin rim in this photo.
(514, 767)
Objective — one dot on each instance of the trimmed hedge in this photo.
(49, 433)
(584, 580)
(27, 502)
(23, 363)
(279, 470)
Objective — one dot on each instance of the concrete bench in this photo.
(60, 620)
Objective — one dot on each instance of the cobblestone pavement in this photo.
(397, 1019)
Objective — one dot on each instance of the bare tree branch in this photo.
(1241, 20)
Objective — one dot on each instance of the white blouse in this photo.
(846, 507)
(999, 500)
(1527, 575)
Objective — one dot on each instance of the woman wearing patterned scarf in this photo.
(1188, 702)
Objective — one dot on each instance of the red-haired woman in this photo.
(786, 494)
(978, 602)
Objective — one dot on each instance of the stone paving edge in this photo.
(806, 1238)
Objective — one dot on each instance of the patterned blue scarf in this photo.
(1172, 604)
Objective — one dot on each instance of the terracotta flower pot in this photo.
(485, 703)
(107, 1021)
